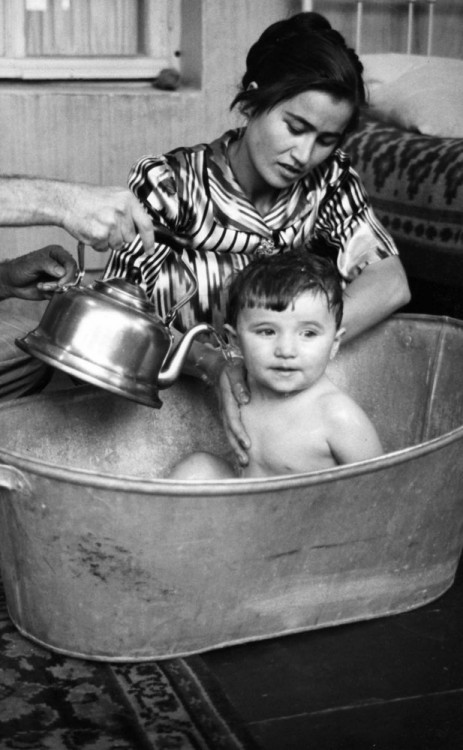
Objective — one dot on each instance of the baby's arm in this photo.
(352, 436)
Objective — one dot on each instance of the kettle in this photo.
(109, 334)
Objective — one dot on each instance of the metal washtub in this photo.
(103, 558)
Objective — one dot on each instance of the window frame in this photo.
(160, 52)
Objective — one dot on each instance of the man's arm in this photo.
(103, 217)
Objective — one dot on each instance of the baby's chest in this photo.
(288, 443)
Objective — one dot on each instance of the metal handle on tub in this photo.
(14, 480)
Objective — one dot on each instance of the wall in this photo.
(93, 132)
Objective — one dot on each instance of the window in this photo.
(88, 39)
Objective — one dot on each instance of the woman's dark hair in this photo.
(273, 283)
(299, 54)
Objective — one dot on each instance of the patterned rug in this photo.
(52, 702)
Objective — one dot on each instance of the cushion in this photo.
(385, 67)
(417, 92)
(415, 183)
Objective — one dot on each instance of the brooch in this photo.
(266, 247)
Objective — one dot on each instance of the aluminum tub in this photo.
(103, 558)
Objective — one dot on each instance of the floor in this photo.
(395, 683)
(386, 684)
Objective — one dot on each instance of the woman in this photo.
(279, 183)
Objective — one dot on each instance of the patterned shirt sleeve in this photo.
(152, 181)
(346, 220)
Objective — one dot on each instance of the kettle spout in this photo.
(175, 359)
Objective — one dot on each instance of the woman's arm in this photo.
(366, 252)
(377, 292)
(228, 379)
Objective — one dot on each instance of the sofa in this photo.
(408, 149)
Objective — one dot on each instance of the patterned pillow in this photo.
(415, 183)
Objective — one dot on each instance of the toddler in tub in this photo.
(284, 316)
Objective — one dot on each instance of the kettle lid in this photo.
(124, 291)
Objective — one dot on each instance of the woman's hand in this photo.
(232, 393)
(227, 376)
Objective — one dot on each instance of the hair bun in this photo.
(299, 25)
(294, 55)
(310, 21)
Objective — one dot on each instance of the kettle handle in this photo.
(80, 262)
(80, 269)
(191, 293)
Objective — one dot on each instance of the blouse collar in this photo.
(234, 209)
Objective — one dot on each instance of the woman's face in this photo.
(285, 144)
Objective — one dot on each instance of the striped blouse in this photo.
(193, 191)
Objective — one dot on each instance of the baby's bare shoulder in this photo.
(339, 407)
(350, 432)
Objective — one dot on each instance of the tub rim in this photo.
(235, 486)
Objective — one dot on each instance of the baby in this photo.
(284, 315)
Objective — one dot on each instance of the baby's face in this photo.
(288, 351)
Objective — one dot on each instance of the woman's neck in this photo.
(259, 193)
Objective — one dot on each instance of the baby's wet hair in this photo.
(274, 282)
(299, 54)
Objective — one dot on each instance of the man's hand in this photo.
(105, 217)
(102, 217)
(35, 275)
